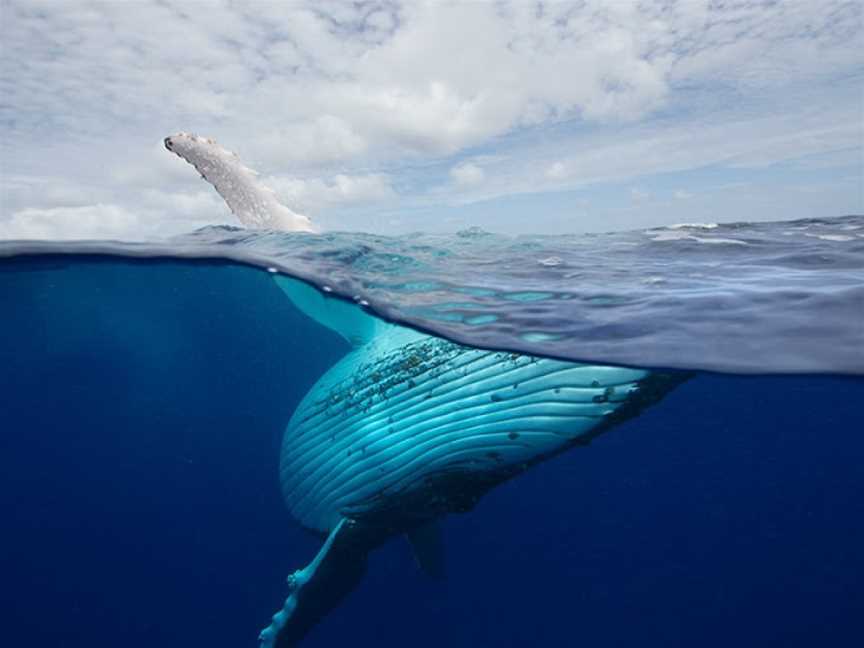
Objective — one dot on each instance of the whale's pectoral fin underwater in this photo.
(319, 587)
(427, 543)
(336, 570)
(408, 427)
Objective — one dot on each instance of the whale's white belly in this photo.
(409, 407)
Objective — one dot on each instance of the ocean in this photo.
(146, 388)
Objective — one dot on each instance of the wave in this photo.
(764, 298)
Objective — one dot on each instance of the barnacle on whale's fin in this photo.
(253, 203)
(319, 587)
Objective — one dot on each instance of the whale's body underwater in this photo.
(408, 427)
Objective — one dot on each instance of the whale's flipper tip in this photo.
(319, 587)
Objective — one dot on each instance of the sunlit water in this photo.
(146, 387)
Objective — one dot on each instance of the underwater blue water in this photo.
(143, 404)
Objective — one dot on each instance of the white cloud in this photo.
(467, 174)
(323, 139)
(680, 194)
(204, 206)
(426, 86)
(20, 191)
(638, 195)
(355, 99)
(90, 222)
(317, 194)
(557, 171)
(621, 154)
(760, 44)
(147, 166)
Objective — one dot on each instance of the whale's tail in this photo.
(253, 203)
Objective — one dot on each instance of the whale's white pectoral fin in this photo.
(344, 318)
(318, 588)
(253, 203)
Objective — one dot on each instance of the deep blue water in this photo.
(142, 409)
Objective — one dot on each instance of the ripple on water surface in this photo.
(771, 297)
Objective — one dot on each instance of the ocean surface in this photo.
(145, 388)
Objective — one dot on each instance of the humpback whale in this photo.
(407, 427)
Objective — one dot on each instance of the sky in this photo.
(394, 117)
